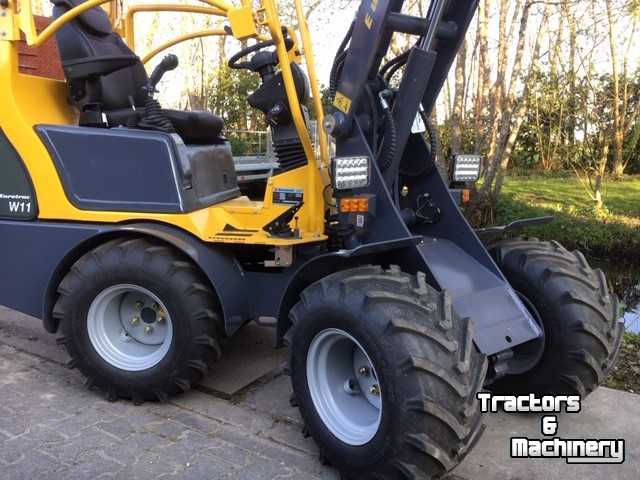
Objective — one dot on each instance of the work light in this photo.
(351, 172)
(466, 168)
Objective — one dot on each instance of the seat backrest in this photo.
(91, 35)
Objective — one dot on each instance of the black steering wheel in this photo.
(260, 60)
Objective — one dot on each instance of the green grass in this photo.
(613, 231)
(626, 373)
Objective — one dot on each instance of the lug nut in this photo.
(375, 390)
(148, 329)
(139, 305)
(160, 318)
(364, 371)
(156, 307)
(135, 320)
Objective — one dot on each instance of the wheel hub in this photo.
(344, 386)
(143, 319)
(129, 327)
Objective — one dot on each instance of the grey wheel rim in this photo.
(129, 327)
(344, 386)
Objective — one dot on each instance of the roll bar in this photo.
(180, 39)
(246, 21)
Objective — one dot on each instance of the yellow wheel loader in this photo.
(122, 226)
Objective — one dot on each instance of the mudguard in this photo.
(35, 256)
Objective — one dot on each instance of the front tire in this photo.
(578, 313)
(138, 320)
(385, 374)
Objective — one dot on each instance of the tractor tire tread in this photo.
(204, 318)
(439, 356)
(581, 308)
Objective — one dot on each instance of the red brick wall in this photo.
(43, 61)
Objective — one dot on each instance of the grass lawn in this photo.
(612, 232)
(611, 238)
(626, 374)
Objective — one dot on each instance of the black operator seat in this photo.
(108, 82)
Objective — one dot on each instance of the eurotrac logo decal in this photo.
(573, 450)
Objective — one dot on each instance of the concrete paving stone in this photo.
(36, 465)
(195, 421)
(268, 471)
(222, 411)
(72, 425)
(605, 414)
(256, 435)
(268, 450)
(273, 398)
(11, 398)
(167, 429)
(203, 466)
(70, 451)
(91, 465)
(144, 441)
(149, 466)
(120, 428)
(291, 435)
(188, 446)
(236, 369)
(118, 408)
(10, 424)
(35, 437)
(43, 413)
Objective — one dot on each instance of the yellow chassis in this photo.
(29, 101)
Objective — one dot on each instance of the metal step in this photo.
(501, 320)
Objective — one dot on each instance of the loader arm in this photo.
(368, 104)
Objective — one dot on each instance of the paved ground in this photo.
(50, 427)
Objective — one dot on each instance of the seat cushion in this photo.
(194, 127)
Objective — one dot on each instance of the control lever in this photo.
(168, 63)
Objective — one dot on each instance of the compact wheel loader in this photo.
(122, 226)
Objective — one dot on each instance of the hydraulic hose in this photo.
(338, 63)
(394, 61)
(387, 151)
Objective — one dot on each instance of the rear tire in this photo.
(113, 304)
(422, 357)
(578, 312)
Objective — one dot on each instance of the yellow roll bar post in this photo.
(273, 23)
(57, 24)
(129, 27)
(180, 39)
(307, 47)
(218, 4)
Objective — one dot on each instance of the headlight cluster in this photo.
(351, 172)
(466, 168)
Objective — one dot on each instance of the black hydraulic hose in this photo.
(338, 62)
(400, 58)
(434, 139)
(336, 71)
(397, 66)
(387, 150)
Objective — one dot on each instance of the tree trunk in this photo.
(457, 120)
(484, 75)
(618, 125)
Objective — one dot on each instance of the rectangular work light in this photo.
(466, 168)
(351, 172)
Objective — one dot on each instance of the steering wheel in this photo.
(260, 60)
